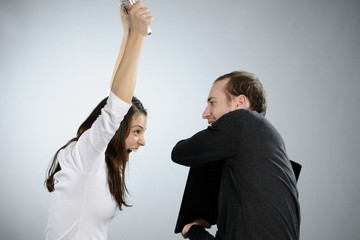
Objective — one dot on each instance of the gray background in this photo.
(56, 62)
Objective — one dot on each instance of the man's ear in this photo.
(242, 102)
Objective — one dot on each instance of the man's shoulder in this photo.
(244, 114)
(243, 118)
(236, 117)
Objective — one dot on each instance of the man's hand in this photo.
(200, 222)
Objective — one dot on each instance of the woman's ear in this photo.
(242, 102)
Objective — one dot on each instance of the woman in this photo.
(87, 174)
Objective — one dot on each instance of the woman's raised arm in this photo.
(126, 28)
(124, 76)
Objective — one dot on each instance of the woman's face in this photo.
(136, 138)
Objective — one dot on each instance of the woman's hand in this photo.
(124, 19)
(139, 19)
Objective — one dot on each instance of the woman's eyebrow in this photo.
(138, 126)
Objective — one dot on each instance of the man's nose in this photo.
(206, 113)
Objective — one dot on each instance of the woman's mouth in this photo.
(129, 151)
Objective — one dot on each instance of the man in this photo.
(258, 197)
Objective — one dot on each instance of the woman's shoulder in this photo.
(117, 103)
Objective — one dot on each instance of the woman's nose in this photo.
(142, 141)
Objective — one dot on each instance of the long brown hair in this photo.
(115, 154)
(247, 84)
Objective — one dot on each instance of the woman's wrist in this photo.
(135, 35)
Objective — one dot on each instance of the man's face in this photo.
(217, 103)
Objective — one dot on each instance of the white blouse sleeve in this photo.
(86, 154)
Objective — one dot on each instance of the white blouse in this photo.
(82, 205)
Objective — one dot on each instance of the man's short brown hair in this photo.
(248, 84)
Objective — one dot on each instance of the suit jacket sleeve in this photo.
(217, 142)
